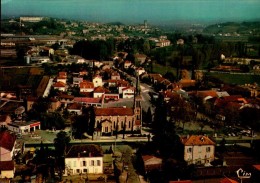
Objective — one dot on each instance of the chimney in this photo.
(78, 155)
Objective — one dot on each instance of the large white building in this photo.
(84, 159)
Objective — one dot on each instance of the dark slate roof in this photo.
(89, 150)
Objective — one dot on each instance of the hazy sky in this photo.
(135, 11)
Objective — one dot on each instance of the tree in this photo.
(146, 47)
(149, 117)
(61, 143)
(180, 110)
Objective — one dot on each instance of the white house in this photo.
(140, 70)
(84, 159)
(62, 79)
(198, 149)
(75, 108)
(97, 81)
(59, 86)
(99, 91)
(127, 64)
(86, 86)
(128, 92)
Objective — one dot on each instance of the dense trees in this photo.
(84, 123)
(49, 120)
(61, 143)
(98, 49)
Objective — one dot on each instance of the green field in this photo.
(160, 69)
(225, 77)
(237, 78)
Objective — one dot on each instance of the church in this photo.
(120, 120)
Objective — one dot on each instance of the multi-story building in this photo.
(97, 81)
(198, 149)
(84, 159)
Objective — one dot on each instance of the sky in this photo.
(136, 11)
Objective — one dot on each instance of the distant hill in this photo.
(115, 23)
(234, 27)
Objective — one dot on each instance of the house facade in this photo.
(84, 159)
(198, 149)
(86, 86)
(128, 92)
(97, 81)
(59, 86)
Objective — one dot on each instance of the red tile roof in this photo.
(86, 84)
(6, 165)
(59, 84)
(257, 167)
(101, 89)
(203, 94)
(196, 140)
(187, 82)
(63, 74)
(65, 96)
(147, 157)
(74, 106)
(122, 83)
(121, 111)
(131, 88)
(227, 180)
(115, 74)
(223, 101)
(61, 77)
(3, 118)
(7, 140)
(87, 100)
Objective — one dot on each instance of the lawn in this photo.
(237, 78)
(160, 69)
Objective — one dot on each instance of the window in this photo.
(85, 170)
(78, 170)
(129, 124)
(207, 149)
(92, 163)
(189, 150)
(84, 163)
(98, 162)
